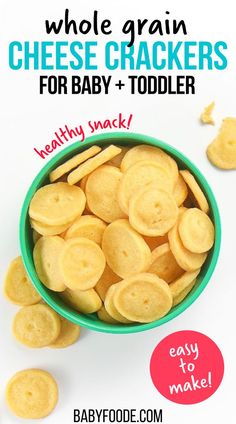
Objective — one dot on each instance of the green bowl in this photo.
(26, 242)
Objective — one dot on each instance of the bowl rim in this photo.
(104, 138)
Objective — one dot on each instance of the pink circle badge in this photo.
(187, 367)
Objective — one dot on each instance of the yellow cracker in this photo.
(68, 335)
(205, 116)
(110, 307)
(46, 254)
(187, 260)
(73, 163)
(104, 316)
(86, 301)
(222, 154)
(197, 192)
(139, 176)
(143, 298)
(180, 192)
(32, 394)
(48, 230)
(91, 164)
(116, 161)
(87, 226)
(146, 152)
(154, 242)
(164, 264)
(57, 204)
(101, 193)
(36, 325)
(196, 230)
(17, 287)
(183, 294)
(152, 212)
(182, 283)
(107, 279)
(82, 263)
(125, 250)
(222, 151)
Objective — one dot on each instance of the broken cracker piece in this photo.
(222, 151)
(205, 116)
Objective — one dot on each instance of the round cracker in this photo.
(125, 250)
(69, 334)
(85, 301)
(82, 263)
(139, 176)
(87, 226)
(152, 212)
(107, 279)
(57, 204)
(183, 294)
(17, 287)
(101, 193)
(48, 230)
(32, 394)
(46, 254)
(187, 260)
(196, 230)
(104, 316)
(73, 163)
(179, 287)
(91, 164)
(180, 192)
(36, 325)
(196, 191)
(146, 152)
(143, 298)
(164, 264)
(110, 307)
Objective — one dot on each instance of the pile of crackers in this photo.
(121, 232)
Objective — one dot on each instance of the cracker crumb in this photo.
(206, 117)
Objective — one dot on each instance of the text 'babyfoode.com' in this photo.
(118, 416)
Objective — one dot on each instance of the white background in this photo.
(102, 370)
